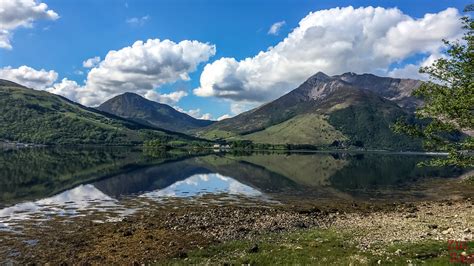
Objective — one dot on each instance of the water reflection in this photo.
(199, 184)
(31, 174)
(88, 198)
(66, 181)
(68, 203)
(139, 180)
(369, 172)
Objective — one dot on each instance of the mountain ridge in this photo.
(40, 117)
(136, 108)
(395, 89)
(322, 101)
(349, 109)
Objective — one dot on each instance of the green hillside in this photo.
(32, 116)
(369, 126)
(366, 120)
(310, 128)
(324, 111)
(134, 107)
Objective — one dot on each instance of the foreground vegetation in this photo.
(187, 232)
(319, 247)
(470, 180)
(449, 101)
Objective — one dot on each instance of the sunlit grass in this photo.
(315, 247)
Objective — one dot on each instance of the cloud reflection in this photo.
(199, 184)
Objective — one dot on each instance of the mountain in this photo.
(134, 107)
(326, 111)
(33, 116)
(394, 89)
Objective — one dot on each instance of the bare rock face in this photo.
(394, 89)
(320, 86)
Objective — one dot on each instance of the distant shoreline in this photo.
(13, 144)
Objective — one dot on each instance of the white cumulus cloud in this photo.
(334, 41)
(29, 77)
(196, 113)
(223, 117)
(168, 98)
(237, 107)
(412, 70)
(140, 68)
(91, 62)
(21, 13)
(5, 39)
(275, 28)
(206, 116)
(67, 88)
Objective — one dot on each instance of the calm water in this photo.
(40, 183)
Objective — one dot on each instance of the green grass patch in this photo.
(469, 180)
(436, 252)
(216, 134)
(311, 247)
(316, 247)
(302, 129)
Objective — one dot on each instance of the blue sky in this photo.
(238, 29)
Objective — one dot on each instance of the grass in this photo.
(306, 129)
(311, 247)
(469, 180)
(310, 129)
(315, 247)
(434, 252)
(216, 134)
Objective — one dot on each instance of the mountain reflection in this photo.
(36, 174)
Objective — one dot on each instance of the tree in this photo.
(448, 102)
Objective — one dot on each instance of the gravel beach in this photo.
(162, 233)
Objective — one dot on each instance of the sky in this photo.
(213, 58)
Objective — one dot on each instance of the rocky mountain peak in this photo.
(320, 76)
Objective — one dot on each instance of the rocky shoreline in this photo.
(158, 234)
